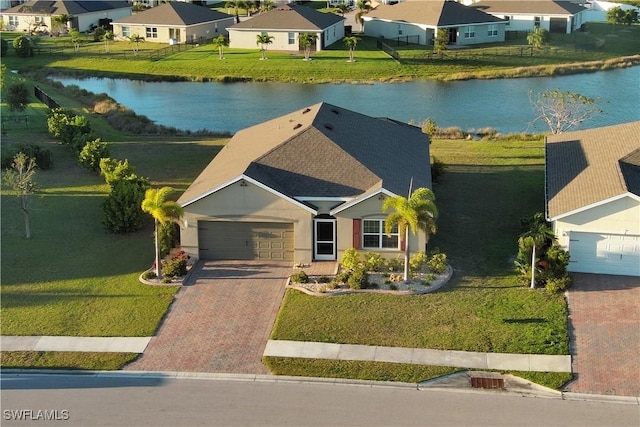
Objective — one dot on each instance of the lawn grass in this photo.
(65, 360)
(488, 187)
(72, 278)
(201, 63)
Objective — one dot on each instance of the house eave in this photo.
(593, 205)
(361, 198)
(256, 183)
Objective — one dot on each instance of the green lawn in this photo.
(201, 63)
(488, 187)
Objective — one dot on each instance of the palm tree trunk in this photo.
(406, 256)
(533, 267)
(157, 248)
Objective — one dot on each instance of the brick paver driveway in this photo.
(604, 316)
(220, 321)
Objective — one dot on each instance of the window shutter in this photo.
(403, 244)
(356, 232)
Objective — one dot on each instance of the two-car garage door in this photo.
(245, 240)
(604, 253)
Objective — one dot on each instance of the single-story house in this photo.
(419, 21)
(555, 16)
(597, 9)
(86, 14)
(174, 22)
(305, 186)
(593, 197)
(285, 23)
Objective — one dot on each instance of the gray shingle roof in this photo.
(290, 17)
(67, 7)
(545, 7)
(433, 13)
(591, 166)
(175, 13)
(321, 151)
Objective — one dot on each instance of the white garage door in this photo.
(245, 240)
(604, 253)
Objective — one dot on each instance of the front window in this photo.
(536, 21)
(493, 31)
(126, 32)
(13, 20)
(374, 237)
(292, 38)
(469, 32)
(152, 33)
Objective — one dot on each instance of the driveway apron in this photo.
(220, 320)
(604, 316)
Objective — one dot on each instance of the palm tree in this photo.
(266, 5)
(108, 38)
(418, 212)
(364, 7)
(306, 40)
(351, 42)
(75, 39)
(61, 21)
(264, 40)
(156, 204)
(136, 40)
(220, 43)
(233, 4)
(539, 235)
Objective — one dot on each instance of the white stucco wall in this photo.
(524, 22)
(85, 21)
(621, 216)
(244, 39)
(191, 33)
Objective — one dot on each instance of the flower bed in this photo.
(377, 282)
(175, 268)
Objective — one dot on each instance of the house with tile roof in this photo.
(555, 16)
(418, 22)
(592, 197)
(285, 23)
(86, 14)
(305, 186)
(174, 22)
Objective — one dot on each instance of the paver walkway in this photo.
(604, 316)
(220, 320)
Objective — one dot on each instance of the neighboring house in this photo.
(174, 22)
(597, 10)
(554, 16)
(593, 197)
(86, 14)
(419, 22)
(285, 23)
(305, 186)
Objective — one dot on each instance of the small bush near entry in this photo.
(177, 266)
(558, 284)
(149, 274)
(437, 262)
(300, 277)
(395, 265)
(359, 279)
(373, 262)
(342, 277)
(351, 259)
(417, 261)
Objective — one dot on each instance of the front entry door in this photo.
(324, 239)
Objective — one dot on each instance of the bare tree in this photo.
(20, 179)
(562, 111)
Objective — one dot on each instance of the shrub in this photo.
(429, 127)
(65, 125)
(176, 267)
(417, 261)
(122, 211)
(393, 287)
(342, 277)
(114, 170)
(92, 153)
(17, 96)
(558, 284)
(351, 259)
(300, 277)
(168, 237)
(373, 261)
(437, 262)
(395, 265)
(4, 47)
(359, 279)
(324, 279)
(42, 155)
(149, 274)
(23, 45)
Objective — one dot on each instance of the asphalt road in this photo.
(129, 400)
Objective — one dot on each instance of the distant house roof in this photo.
(290, 17)
(545, 7)
(321, 151)
(432, 13)
(591, 166)
(66, 7)
(175, 13)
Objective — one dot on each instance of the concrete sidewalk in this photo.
(82, 344)
(419, 356)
